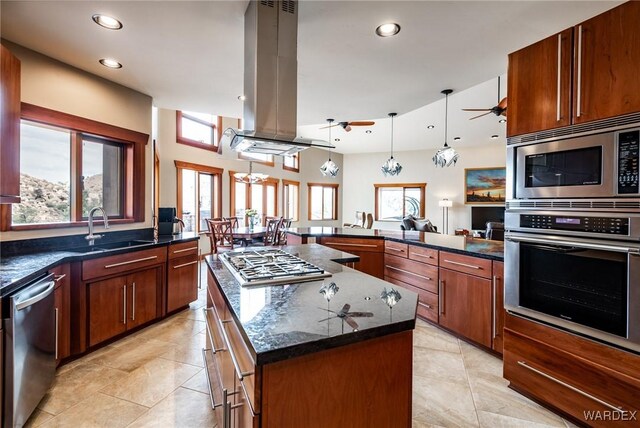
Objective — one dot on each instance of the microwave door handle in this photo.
(577, 245)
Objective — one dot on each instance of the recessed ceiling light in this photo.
(111, 63)
(368, 131)
(502, 120)
(457, 138)
(337, 139)
(494, 136)
(107, 21)
(431, 126)
(242, 97)
(388, 30)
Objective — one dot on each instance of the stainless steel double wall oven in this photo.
(572, 241)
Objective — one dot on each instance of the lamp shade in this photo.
(445, 203)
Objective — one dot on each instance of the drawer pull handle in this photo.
(571, 387)
(463, 264)
(130, 262)
(559, 79)
(133, 302)
(124, 304)
(206, 371)
(352, 245)
(426, 256)
(425, 305)
(59, 278)
(400, 250)
(493, 304)
(579, 83)
(185, 249)
(57, 338)
(409, 273)
(441, 296)
(185, 264)
(213, 342)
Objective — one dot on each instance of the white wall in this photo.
(58, 86)
(169, 150)
(362, 171)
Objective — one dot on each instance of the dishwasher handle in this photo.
(35, 293)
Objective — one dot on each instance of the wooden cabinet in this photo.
(182, 275)
(585, 73)
(370, 251)
(144, 297)
(498, 306)
(539, 85)
(9, 127)
(62, 302)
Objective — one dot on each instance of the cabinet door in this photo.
(107, 312)
(241, 415)
(62, 302)
(607, 65)
(143, 297)
(539, 85)
(465, 305)
(9, 127)
(182, 286)
(498, 306)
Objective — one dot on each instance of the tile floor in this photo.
(155, 378)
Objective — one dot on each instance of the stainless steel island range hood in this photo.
(270, 82)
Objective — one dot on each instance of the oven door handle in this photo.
(574, 244)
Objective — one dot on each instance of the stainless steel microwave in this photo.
(605, 165)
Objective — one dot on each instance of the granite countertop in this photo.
(282, 321)
(477, 247)
(18, 269)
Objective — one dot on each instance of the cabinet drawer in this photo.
(360, 244)
(396, 248)
(414, 273)
(424, 255)
(110, 265)
(566, 381)
(427, 302)
(183, 249)
(467, 264)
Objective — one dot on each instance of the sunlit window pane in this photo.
(327, 208)
(291, 201)
(390, 204)
(412, 202)
(102, 165)
(45, 175)
(271, 200)
(316, 203)
(241, 197)
(256, 198)
(206, 194)
(189, 200)
(196, 131)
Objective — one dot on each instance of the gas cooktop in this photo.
(270, 266)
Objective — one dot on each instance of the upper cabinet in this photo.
(9, 127)
(585, 73)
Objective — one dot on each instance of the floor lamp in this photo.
(445, 204)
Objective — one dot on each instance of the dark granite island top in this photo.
(476, 247)
(282, 321)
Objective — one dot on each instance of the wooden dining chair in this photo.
(271, 234)
(266, 218)
(282, 233)
(221, 235)
(235, 221)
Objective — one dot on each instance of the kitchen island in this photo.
(283, 356)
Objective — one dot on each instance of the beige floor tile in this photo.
(427, 336)
(570, 424)
(183, 408)
(478, 360)
(189, 352)
(198, 382)
(74, 385)
(98, 410)
(193, 313)
(150, 383)
(37, 418)
(418, 424)
(492, 420)
(175, 330)
(436, 364)
(135, 354)
(441, 402)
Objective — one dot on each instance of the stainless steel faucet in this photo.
(91, 237)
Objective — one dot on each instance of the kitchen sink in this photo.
(109, 246)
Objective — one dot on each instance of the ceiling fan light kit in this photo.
(446, 156)
(329, 168)
(391, 167)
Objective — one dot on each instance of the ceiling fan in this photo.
(347, 125)
(498, 110)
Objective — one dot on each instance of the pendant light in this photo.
(446, 156)
(250, 178)
(329, 168)
(391, 166)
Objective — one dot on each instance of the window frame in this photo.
(199, 169)
(421, 186)
(285, 213)
(296, 163)
(334, 187)
(216, 131)
(271, 162)
(134, 146)
(270, 181)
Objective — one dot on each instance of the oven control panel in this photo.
(605, 225)
(629, 162)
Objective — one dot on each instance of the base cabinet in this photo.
(370, 251)
(498, 306)
(62, 303)
(182, 282)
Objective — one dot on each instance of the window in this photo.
(395, 201)
(291, 200)
(257, 157)
(69, 165)
(323, 201)
(262, 197)
(199, 195)
(198, 129)
(291, 163)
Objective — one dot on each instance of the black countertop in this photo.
(18, 269)
(477, 247)
(283, 321)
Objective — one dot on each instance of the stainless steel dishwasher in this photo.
(30, 341)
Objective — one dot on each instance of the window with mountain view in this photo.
(395, 201)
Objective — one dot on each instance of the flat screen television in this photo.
(481, 215)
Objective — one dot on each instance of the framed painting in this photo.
(485, 185)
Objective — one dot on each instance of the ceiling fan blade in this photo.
(483, 114)
(325, 127)
(476, 109)
(503, 103)
(351, 322)
(362, 123)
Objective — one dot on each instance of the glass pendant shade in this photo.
(329, 169)
(391, 167)
(446, 156)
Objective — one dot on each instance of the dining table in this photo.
(247, 234)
